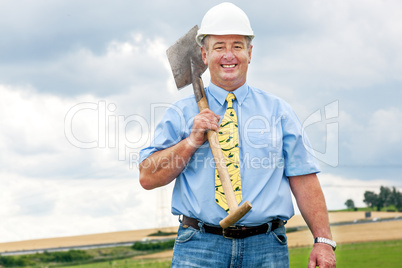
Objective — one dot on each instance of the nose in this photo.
(228, 55)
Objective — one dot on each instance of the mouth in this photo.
(228, 65)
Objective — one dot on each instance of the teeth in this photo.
(228, 66)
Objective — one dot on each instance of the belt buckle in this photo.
(235, 229)
(224, 234)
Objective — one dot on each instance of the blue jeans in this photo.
(195, 248)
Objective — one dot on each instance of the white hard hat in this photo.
(224, 19)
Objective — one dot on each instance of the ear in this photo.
(204, 55)
(250, 50)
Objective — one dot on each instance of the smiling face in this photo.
(227, 57)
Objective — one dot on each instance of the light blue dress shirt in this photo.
(272, 148)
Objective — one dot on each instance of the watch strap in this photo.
(325, 241)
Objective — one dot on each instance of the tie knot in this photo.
(230, 98)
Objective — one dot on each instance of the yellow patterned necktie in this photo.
(228, 136)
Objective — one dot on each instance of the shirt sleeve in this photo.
(169, 131)
(298, 159)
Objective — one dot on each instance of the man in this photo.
(270, 161)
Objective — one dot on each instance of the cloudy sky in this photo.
(82, 84)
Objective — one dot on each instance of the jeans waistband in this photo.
(233, 232)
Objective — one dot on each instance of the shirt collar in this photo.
(220, 94)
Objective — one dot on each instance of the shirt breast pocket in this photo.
(263, 140)
(263, 150)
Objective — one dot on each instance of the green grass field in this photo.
(372, 254)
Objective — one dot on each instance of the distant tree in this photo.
(350, 204)
(370, 198)
(384, 198)
(398, 203)
(387, 197)
(396, 199)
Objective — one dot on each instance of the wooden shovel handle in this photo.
(235, 215)
(218, 156)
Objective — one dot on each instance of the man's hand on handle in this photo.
(204, 121)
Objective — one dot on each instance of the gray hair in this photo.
(204, 42)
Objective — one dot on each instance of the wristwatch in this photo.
(325, 241)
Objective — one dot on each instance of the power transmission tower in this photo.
(163, 209)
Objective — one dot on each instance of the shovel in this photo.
(187, 66)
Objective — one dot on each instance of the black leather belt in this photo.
(233, 232)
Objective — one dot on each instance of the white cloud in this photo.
(375, 141)
(121, 65)
(34, 208)
(386, 126)
(52, 188)
(32, 135)
(337, 45)
(134, 62)
(46, 126)
(337, 189)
